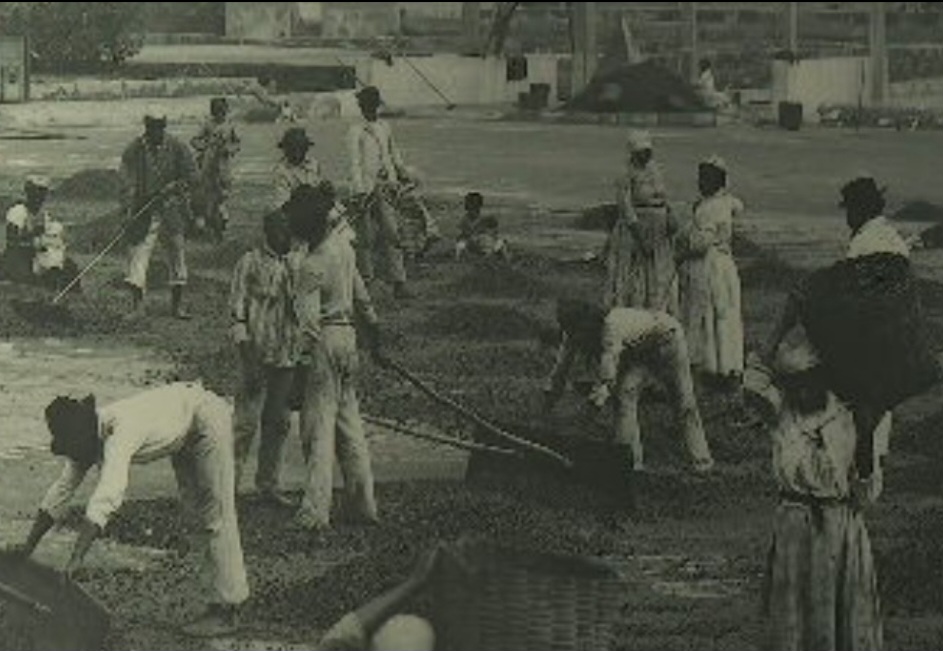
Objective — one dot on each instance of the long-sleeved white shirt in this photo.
(877, 236)
(328, 288)
(147, 426)
(627, 327)
(373, 155)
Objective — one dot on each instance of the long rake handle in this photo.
(475, 418)
(25, 600)
(114, 242)
(435, 438)
(449, 103)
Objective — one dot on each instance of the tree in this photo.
(66, 36)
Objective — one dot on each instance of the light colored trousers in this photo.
(378, 234)
(264, 405)
(669, 363)
(205, 472)
(139, 255)
(331, 423)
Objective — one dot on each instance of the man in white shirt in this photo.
(377, 169)
(330, 299)
(182, 421)
(627, 346)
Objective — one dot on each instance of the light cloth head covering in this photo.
(154, 113)
(638, 140)
(39, 181)
(716, 161)
(796, 359)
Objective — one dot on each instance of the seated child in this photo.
(477, 233)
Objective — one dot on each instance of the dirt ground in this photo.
(692, 557)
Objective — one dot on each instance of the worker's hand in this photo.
(375, 345)
(599, 395)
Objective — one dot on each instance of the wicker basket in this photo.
(485, 597)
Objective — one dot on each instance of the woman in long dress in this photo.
(710, 284)
(821, 586)
(640, 259)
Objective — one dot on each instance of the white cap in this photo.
(154, 112)
(639, 140)
(39, 181)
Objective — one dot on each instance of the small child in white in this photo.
(479, 233)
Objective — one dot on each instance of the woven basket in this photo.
(485, 597)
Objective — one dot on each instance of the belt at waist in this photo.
(650, 205)
(812, 500)
(337, 322)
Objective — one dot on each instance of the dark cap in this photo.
(295, 136)
(861, 190)
(369, 95)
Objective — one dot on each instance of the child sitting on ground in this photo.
(478, 233)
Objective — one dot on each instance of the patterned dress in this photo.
(710, 287)
(641, 271)
(821, 587)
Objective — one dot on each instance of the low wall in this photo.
(818, 82)
(463, 80)
(917, 93)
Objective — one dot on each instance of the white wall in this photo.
(815, 82)
(463, 80)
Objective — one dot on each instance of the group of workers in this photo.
(669, 313)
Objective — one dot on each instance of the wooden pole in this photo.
(693, 70)
(471, 25)
(878, 49)
(793, 26)
(584, 44)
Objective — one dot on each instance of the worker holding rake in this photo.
(157, 170)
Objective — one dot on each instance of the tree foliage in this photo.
(74, 35)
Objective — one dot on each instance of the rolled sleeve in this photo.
(238, 298)
(612, 345)
(112, 484)
(307, 302)
(57, 498)
(357, 182)
(362, 301)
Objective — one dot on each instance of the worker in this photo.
(377, 169)
(35, 246)
(157, 172)
(183, 421)
(266, 334)
(639, 254)
(628, 347)
(215, 145)
(297, 166)
(330, 297)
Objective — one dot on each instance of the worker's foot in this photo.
(275, 499)
(136, 312)
(702, 466)
(181, 314)
(219, 620)
(310, 524)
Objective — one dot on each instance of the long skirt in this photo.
(711, 313)
(644, 279)
(821, 591)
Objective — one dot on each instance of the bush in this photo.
(74, 36)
